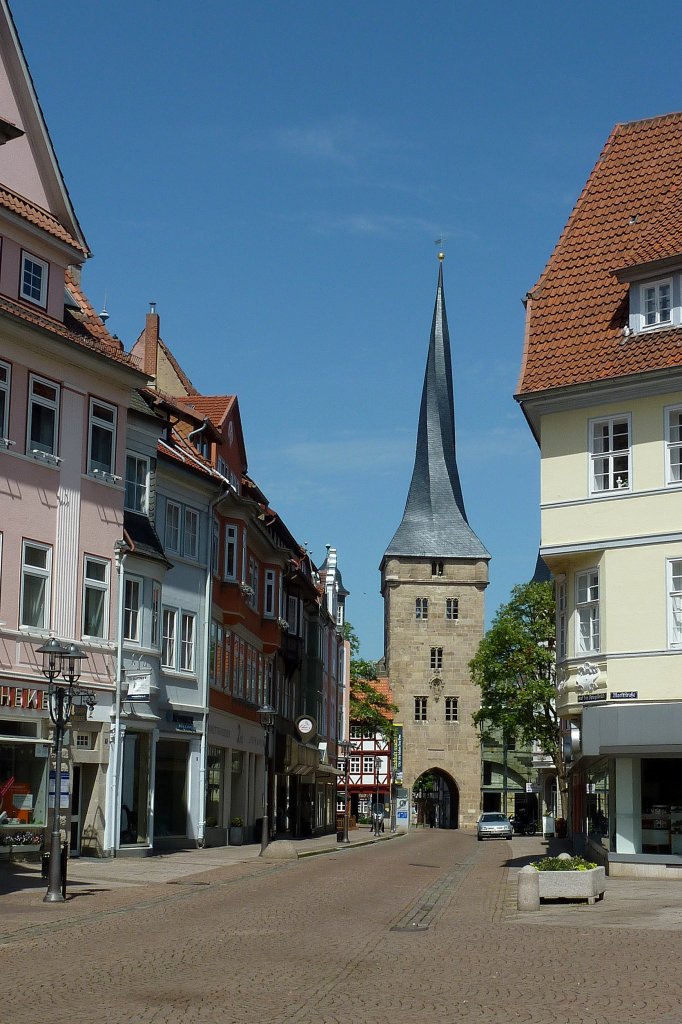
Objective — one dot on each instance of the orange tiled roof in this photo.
(629, 213)
(216, 407)
(84, 328)
(39, 217)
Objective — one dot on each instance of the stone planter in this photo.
(215, 836)
(573, 885)
(236, 835)
(25, 852)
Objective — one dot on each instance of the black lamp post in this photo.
(345, 746)
(377, 766)
(65, 661)
(267, 716)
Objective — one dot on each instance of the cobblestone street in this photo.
(422, 928)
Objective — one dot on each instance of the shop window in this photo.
(23, 789)
(135, 789)
(170, 789)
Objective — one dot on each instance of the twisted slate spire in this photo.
(434, 524)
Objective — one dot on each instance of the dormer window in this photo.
(657, 303)
(33, 285)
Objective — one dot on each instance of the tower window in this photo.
(421, 608)
(420, 709)
(451, 709)
(452, 608)
(436, 657)
(437, 568)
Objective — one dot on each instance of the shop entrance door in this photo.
(76, 801)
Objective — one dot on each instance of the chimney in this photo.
(151, 341)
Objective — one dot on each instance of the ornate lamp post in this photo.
(377, 767)
(65, 661)
(267, 716)
(345, 746)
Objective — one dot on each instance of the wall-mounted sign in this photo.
(624, 695)
(590, 698)
(397, 766)
(139, 685)
(307, 728)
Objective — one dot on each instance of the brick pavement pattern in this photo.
(334, 939)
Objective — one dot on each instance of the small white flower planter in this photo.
(573, 885)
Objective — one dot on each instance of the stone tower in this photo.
(433, 578)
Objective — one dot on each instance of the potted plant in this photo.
(570, 878)
(214, 835)
(236, 831)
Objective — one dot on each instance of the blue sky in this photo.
(273, 176)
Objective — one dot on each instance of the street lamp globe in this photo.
(53, 656)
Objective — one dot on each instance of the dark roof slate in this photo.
(434, 523)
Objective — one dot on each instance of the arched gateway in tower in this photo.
(433, 578)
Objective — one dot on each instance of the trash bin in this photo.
(339, 826)
(548, 826)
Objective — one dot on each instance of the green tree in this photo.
(515, 669)
(368, 707)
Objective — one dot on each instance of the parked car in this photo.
(493, 825)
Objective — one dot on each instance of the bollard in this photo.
(528, 893)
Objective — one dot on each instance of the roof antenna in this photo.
(440, 242)
(104, 316)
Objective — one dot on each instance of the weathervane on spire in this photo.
(440, 242)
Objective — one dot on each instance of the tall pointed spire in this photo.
(434, 524)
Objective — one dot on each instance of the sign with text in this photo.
(397, 765)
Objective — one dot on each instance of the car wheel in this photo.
(480, 838)
(509, 838)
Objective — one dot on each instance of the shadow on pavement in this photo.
(17, 878)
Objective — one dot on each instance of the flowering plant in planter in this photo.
(236, 823)
(564, 864)
(22, 839)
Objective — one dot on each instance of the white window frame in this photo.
(368, 764)
(436, 658)
(128, 610)
(451, 709)
(45, 403)
(169, 637)
(37, 573)
(230, 559)
(188, 633)
(587, 619)
(155, 638)
(173, 545)
(354, 763)
(190, 549)
(610, 456)
(270, 596)
(421, 705)
(673, 445)
(421, 608)
(674, 576)
(101, 587)
(133, 485)
(656, 287)
(26, 292)
(95, 421)
(5, 389)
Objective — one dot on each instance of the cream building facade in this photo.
(603, 396)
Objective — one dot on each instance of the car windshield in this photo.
(493, 817)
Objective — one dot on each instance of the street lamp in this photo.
(345, 747)
(65, 661)
(267, 716)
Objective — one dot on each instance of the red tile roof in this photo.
(216, 407)
(628, 213)
(82, 327)
(40, 218)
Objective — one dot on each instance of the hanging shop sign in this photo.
(139, 686)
